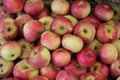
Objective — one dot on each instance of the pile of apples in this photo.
(63, 41)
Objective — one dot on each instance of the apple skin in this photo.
(75, 68)
(46, 20)
(26, 48)
(85, 30)
(66, 75)
(6, 68)
(50, 40)
(40, 78)
(50, 71)
(32, 30)
(57, 9)
(103, 12)
(108, 53)
(61, 57)
(13, 6)
(61, 25)
(8, 28)
(20, 22)
(72, 43)
(115, 68)
(10, 53)
(39, 56)
(37, 7)
(100, 69)
(80, 9)
(24, 70)
(86, 57)
(106, 33)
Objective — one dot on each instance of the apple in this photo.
(103, 11)
(72, 19)
(61, 25)
(100, 69)
(10, 51)
(108, 53)
(116, 44)
(20, 22)
(46, 20)
(8, 29)
(95, 45)
(33, 7)
(80, 9)
(26, 48)
(39, 56)
(93, 20)
(56, 7)
(106, 33)
(85, 30)
(66, 75)
(5, 68)
(89, 76)
(61, 57)
(86, 57)
(40, 78)
(13, 6)
(50, 40)
(72, 43)
(50, 71)
(32, 30)
(24, 70)
(115, 68)
(75, 68)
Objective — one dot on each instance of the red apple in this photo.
(72, 43)
(33, 7)
(85, 30)
(40, 78)
(61, 57)
(108, 53)
(103, 11)
(39, 56)
(56, 7)
(106, 33)
(80, 9)
(13, 6)
(50, 40)
(32, 30)
(66, 75)
(24, 70)
(86, 57)
(61, 25)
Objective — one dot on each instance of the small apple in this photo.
(10, 51)
(5, 68)
(66, 75)
(80, 9)
(39, 56)
(56, 7)
(61, 57)
(24, 70)
(46, 20)
(85, 30)
(13, 6)
(72, 43)
(50, 40)
(61, 25)
(86, 57)
(33, 7)
(103, 11)
(106, 33)
(40, 78)
(26, 48)
(32, 30)
(108, 53)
